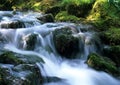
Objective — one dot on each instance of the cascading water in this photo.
(68, 72)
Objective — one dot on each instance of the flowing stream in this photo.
(63, 71)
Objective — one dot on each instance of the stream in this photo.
(65, 71)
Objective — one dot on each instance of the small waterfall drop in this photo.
(69, 72)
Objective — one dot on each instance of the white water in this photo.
(71, 72)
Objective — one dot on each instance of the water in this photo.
(68, 72)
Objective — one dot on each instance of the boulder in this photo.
(53, 10)
(79, 10)
(46, 18)
(12, 24)
(113, 52)
(111, 36)
(23, 74)
(9, 57)
(65, 43)
(30, 41)
(102, 64)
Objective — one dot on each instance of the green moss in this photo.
(9, 58)
(111, 36)
(64, 16)
(102, 63)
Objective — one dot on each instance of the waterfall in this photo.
(68, 72)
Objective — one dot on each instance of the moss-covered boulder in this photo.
(46, 18)
(79, 10)
(23, 74)
(113, 52)
(12, 24)
(102, 17)
(111, 36)
(65, 43)
(64, 16)
(53, 10)
(103, 64)
(9, 58)
(30, 41)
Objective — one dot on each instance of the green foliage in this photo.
(64, 16)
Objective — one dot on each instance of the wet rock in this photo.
(8, 57)
(12, 24)
(103, 64)
(23, 74)
(46, 18)
(113, 52)
(65, 43)
(30, 41)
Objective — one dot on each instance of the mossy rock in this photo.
(30, 41)
(103, 64)
(13, 24)
(23, 74)
(103, 18)
(79, 10)
(113, 52)
(64, 16)
(46, 18)
(111, 36)
(65, 43)
(53, 10)
(9, 58)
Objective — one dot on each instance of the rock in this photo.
(12, 24)
(8, 57)
(103, 64)
(23, 74)
(113, 52)
(79, 10)
(46, 18)
(111, 36)
(30, 41)
(64, 16)
(65, 43)
(53, 10)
